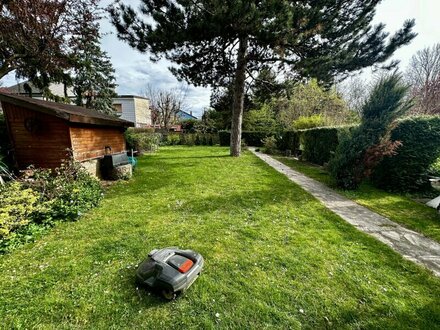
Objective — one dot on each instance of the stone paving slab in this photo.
(410, 244)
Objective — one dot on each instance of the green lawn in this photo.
(398, 208)
(274, 257)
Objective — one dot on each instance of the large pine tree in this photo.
(93, 80)
(214, 42)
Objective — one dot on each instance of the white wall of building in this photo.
(143, 112)
(128, 108)
(135, 109)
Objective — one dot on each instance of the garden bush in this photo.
(190, 139)
(270, 144)
(385, 104)
(172, 139)
(142, 140)
(306, 122)
(17, 204)
(43, 197)
(434, 169)
(65, 193)
(408, 170)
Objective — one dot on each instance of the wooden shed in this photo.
(42, 132)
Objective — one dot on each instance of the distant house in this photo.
(42, 131)
(134, 108)
(183, 115)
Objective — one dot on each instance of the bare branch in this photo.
(166, 104)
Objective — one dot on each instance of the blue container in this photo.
(133, 161)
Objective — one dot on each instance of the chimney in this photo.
(191, 113)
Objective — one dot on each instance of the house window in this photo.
(118, 107)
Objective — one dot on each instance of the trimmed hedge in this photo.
(288, 140)
(408, 170)
(225, 138)
(255, 139)
(251, 138)
(318, 144)
(191, 139)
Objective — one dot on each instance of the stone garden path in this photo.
(411, 245)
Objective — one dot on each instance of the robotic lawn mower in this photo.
(170, 270)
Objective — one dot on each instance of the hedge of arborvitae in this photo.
(408, 169)
(191, 139)
(319, 143)
(316, 144)
(288, 140)
(224, 138)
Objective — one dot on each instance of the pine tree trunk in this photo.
(237, 108)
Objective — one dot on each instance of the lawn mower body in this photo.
(170, 270)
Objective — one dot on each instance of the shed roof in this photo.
(71, 113)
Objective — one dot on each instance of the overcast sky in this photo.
(134, 71)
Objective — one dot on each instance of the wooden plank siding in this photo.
(90, 142)
(45, 147)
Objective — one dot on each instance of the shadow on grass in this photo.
(147, 297)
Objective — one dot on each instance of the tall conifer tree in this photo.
(215, 42)
(94, 81)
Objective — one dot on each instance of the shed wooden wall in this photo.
(89, 142)
(44, 148)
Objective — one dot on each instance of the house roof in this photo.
(186, 114)
(71, 113)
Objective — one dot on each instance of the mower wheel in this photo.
(168, 294)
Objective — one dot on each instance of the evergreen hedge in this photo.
(224, 138)
(407, 171)
(288, 140)
(318, 144)
(255, 138)
(251, 138)
(190, 139)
